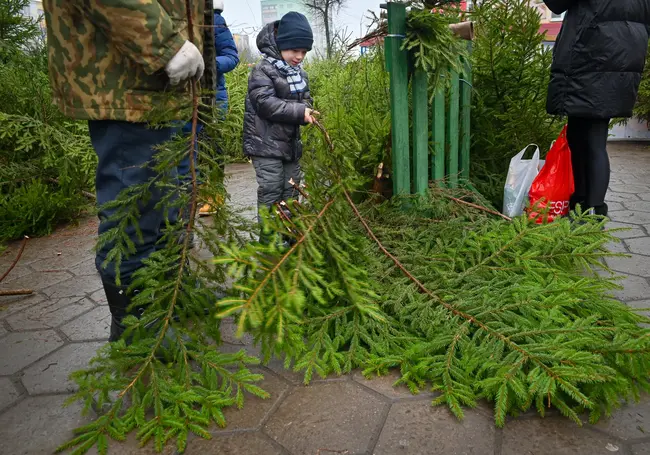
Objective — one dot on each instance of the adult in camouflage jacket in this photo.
(113, 62)
(107, 58)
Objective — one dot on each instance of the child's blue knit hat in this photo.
(294, 32)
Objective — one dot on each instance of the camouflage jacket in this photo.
(107, 58)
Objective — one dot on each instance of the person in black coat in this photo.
(277, 104)
(598, 61)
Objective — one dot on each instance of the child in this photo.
(278, 102)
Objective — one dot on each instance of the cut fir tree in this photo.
(459, 302)
(466, 305)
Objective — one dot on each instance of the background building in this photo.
(273, 10)
(246, 52)
(551, 22)
(35, 9)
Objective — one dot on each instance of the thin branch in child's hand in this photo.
(298, 188)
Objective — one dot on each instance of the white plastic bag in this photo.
(521, 174)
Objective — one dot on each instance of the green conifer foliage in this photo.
(461, 302)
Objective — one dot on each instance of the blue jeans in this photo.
(123, 149)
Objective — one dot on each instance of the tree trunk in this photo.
(326, 24)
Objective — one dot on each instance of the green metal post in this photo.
(398, 67)
(465, 117)
(438, 128)
(420, 131)
(453, 128)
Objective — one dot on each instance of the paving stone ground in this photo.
(45, 336)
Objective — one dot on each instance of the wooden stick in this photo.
(16, 292)
(20, 253)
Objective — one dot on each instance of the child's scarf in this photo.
(291, 73)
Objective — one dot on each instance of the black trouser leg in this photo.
(591, 169)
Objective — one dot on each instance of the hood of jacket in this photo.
(266, 41)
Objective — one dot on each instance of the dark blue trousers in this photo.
(124, 150)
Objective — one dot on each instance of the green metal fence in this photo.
(440, 130)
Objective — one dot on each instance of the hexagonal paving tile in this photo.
(419, 428)
(620, 197)
(616, 247)
(12, 305)
(132, 447)
(50, 313)
(628, 231)
(555, 435)
(630, 216)
(8, 393)
(99, 297)
(50, 375)
(641, 305)
(256, 409)
(38, 425)
(77, 286)
(641, 206)
(17, 272)
(86, 268)
(630, 188)
(94, 325)
(641, 449)
(335, 415)
(614, 206)
(630, 422)
(228, 330)
(634, 288)
(639, 246)
(33, 252)
(384, 385)
(633, 265)
(21, 349)
(38, 281)
(294, 377)
(64, 261)
(644, 196)
(246, 443)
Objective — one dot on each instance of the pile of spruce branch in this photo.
(457, 299)
(460, 301)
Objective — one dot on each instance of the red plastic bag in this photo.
(553, 186)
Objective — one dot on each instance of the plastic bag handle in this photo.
(521, 154)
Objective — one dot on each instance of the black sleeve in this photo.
(267, 105)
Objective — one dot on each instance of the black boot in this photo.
(601, 210)
(576, 201)
(118, 302)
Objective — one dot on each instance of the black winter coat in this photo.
(273, 114)
(598, 58)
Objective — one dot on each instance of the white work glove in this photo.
(188, 62)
